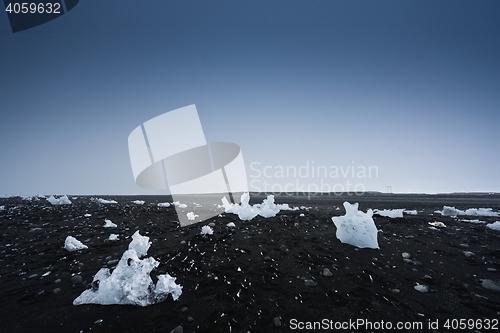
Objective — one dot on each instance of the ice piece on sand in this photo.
(191, 216)
(246, 212)
(392, 213)
(491, 285)
(451, 211)
(130, 282)
(268, 208)
(206, 230)
(103, 201)
(62, 200)
(139, 202)
(164, 204)
(494, 226)
(481, 212)
(72, 244)
(87, 215)
(356, 228)
(231, 225)
(109, 224)
(113, 237)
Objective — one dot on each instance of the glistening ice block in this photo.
(170, 151)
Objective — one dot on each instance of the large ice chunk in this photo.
(392, 213)
(72, 244)
(451, 211)
(246, 212)
(109, 224)
(481, 212)
(130, 282)
(62, 200)
(356, 228)
(494, 226)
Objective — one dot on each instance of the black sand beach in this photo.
(264, 275)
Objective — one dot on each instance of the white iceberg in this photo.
(113, 237)
(494, 226)
(163, 204)
(392, 213)
(451, 211)
(472, 221)
(356, 228)
(109, 224)
(130, 282)
(246, 212)
(139, 202)
(206, 230)
(481, 212)
(103, 201)
(72, 244)
(62, 200)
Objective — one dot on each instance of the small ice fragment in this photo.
(231, 225)
(164, 204)
(109, 224)
(182, 206)
(411, 212)
(87, 215)
(421, 288)
(206, 230)
(72, 244)
(437, 224)
(139, 202)
(113, 237)
(451, 211)
(191, 216)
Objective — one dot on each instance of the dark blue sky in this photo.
(411, 87)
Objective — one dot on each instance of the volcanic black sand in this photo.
(264, 275)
